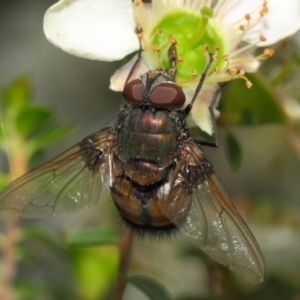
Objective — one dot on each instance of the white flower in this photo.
(231, 29)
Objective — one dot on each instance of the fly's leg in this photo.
(139, 32)
(90, 153)
(216, 142)
(200, 84)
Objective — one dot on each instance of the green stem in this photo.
(196, 38)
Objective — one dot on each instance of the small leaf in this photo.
(49, 136)
(3, 181)
(255, 106)
(95, 270)
(234, 151)
(17, 94)
(92, 237)
(32, 118)
(153, 289)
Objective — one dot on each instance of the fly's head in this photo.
(155, 88)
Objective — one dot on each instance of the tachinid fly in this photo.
(159, 177)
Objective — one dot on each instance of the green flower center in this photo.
(192, 32)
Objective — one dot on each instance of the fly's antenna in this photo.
(139, 33)
(200, 84)
(172, 55)
(173, 58)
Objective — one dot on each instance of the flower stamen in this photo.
(179, 58)
(214, 57)
(232, 71)
(249, 46)
(141, 14)
(172, 40)
(225, 57)
(239, 74)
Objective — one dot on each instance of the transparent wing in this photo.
(73, 180)
(213, 223)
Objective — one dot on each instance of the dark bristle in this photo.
(149, 233)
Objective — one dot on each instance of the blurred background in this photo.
(265, 187)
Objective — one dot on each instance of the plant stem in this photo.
(19, 166)
(125, 249)
(9, 259)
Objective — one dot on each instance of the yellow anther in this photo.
(241, 73)
(262, 38)
(172, 40)
(225, 57)
(180, 58)
(269, 52)
(249, 84)
(247, 17)
(156, 48)
(214, 57)
(232, 71)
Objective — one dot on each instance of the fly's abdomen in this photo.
(145, 207)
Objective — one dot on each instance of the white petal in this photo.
(282, 20)
(200, 111)
(94, 29)
(117, 81)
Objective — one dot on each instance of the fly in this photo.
(159, 178)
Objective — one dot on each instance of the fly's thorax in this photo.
(149, 135)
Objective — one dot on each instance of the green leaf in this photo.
(49, 136)
(95, 270)
(255, 106)
(3, 181)
(2, 130)
(153, 289)
(17, 94)
(92, 237)
(234, 151)
(32, 118)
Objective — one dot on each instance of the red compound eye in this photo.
(133, 91)
(167, 94)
